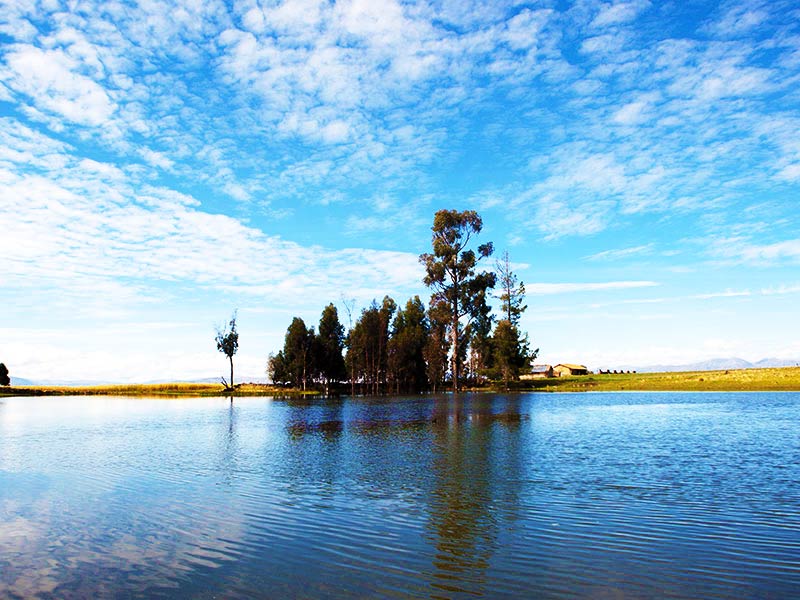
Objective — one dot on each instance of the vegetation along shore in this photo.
(742, 380)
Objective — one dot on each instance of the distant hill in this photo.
(717, 364)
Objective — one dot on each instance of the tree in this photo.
(349, 304)
(4, 378)
(480, 344)
(450, 271)
(437, 346)
(298, 353)
(367, 345)
(228, 343)
(510, 350)
(406, 359)
(329, 346)
(277, 369)
(512, 292)
(510, 345)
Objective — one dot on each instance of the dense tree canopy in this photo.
(406, 358)
(329, 346)
(4, 378)
(295, 363)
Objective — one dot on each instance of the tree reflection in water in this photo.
(464, 523)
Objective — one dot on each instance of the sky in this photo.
(165, 163)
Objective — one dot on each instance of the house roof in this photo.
(540, 368)
(571, 366)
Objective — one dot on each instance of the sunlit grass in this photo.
(782, 379)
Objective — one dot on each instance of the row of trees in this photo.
(414, 347)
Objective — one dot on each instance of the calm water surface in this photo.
(532, 495)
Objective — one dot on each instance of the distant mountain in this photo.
(718, 364)
(765, 363)
(237, 380)
(85, 382)
(57, 382)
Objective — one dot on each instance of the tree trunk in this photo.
(231, 359)
(455, 335)
(454, 364)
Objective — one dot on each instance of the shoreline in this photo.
(784, 379)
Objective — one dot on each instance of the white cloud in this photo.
(739, 19)
(619, 12)
(632, 113)
(344, 108)
(740, 249)
(51, 80)
(542, 289)
(725, 294)
(85, 226)
(622, 252)
(781, 290)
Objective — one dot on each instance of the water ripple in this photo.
(548, 496)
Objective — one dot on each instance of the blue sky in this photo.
(163, 163)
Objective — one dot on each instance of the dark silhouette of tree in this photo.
(512, 291)
(450, 271)
(329, 346)
(228, 343)
(4, 378)
(298, 353)
(406, 359)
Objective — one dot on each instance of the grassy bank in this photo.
(783, 379)
(172, 390)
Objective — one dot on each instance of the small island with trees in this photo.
(454, 341)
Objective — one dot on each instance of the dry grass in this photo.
(174, 390)
(783, 379)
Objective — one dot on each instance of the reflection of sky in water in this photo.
(552, 495)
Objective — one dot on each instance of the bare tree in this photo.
(349, 304)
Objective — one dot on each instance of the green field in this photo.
(783, 379)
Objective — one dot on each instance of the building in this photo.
(540, 372)
(565, 370)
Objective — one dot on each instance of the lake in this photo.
(617, 495)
